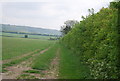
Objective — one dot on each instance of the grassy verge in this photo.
(71, 67)
(43, 61)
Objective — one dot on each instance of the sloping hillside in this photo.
(27, 29)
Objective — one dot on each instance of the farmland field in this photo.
(23, 35)
(13, 47)
(25, 58)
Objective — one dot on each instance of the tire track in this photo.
(16, 70)
(19, 57)
(53, 71)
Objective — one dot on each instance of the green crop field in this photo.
(12, 47)
(16, 50)
(19, 50)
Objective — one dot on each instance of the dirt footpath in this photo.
(53, 71)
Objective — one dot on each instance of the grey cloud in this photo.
(50, 14)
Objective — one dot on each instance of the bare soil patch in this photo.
(16, 70)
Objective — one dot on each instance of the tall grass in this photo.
(71, 67)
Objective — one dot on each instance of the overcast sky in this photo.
(49, 14)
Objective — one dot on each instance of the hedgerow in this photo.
(94, 40)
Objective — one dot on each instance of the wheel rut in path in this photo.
(52, 72)
(16, 70)
(19, 57)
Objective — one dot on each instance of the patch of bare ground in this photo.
(16, 70)
(53, 71)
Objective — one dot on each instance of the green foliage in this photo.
(26, 36)
(94, 40)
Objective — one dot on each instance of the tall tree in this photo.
(68, 26)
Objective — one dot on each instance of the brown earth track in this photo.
(16, 70)
(53, 71)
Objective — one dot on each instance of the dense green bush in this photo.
(94, 40)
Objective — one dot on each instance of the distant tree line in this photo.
(31, 33)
